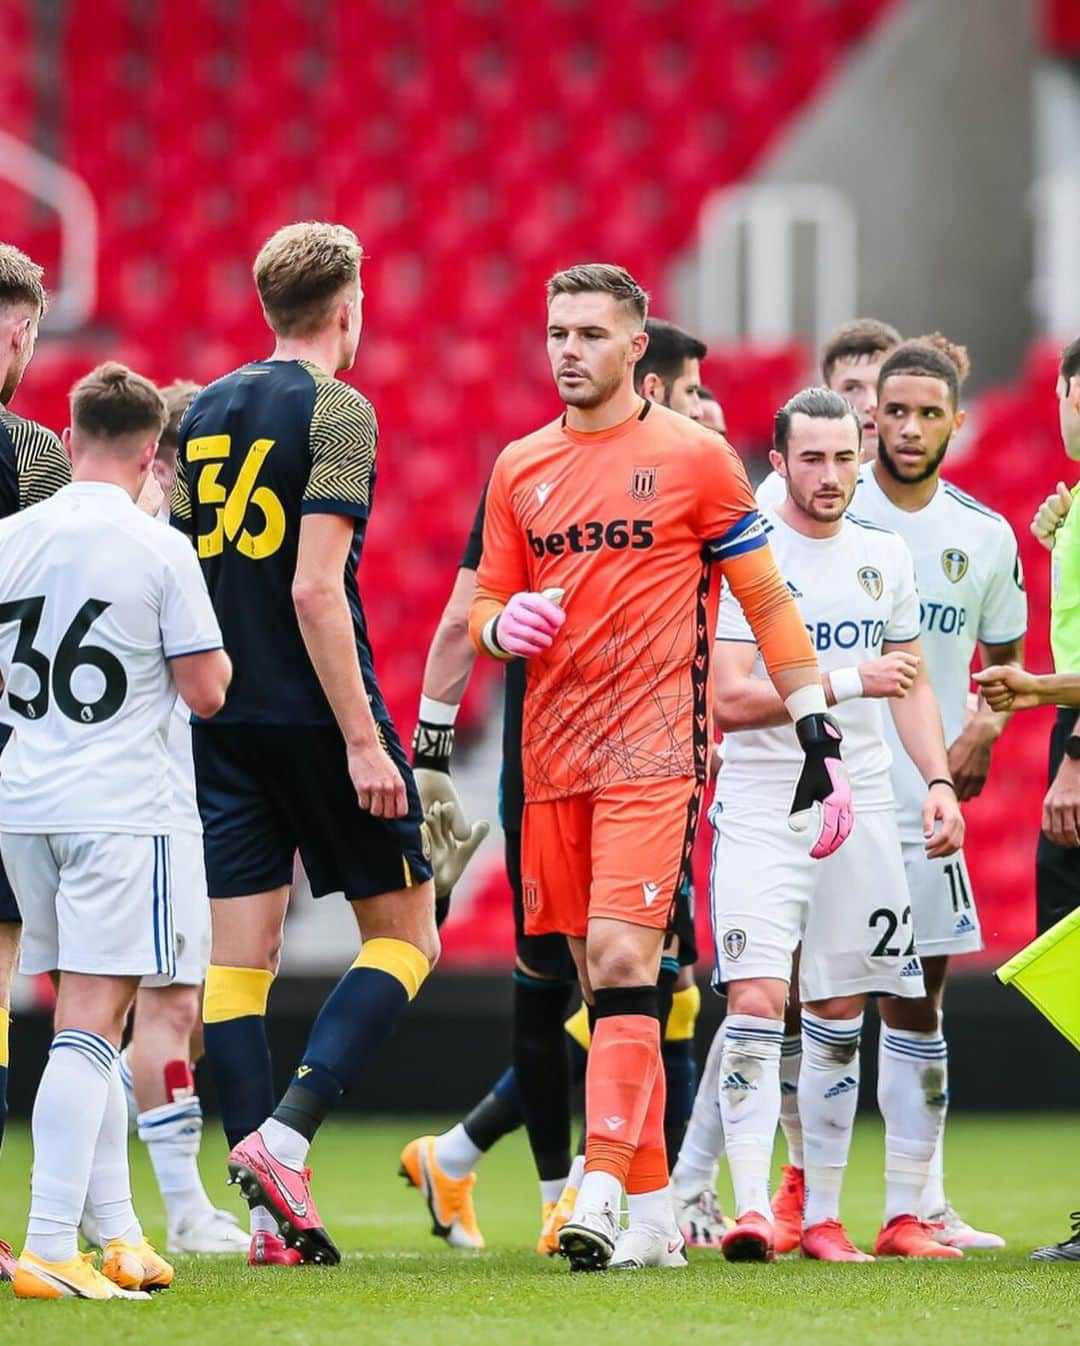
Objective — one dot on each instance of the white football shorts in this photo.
(96, 902)
(851, 912)
(946, 918)
(190, 912)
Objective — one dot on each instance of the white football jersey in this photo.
(182, 771)
(771, 491)
(855, 591)
(971, 588)
(95, 598)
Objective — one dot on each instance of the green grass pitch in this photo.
(399, 1286)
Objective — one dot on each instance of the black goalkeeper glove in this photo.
(823, 782)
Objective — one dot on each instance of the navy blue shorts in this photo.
(9, 908)
(268, 791)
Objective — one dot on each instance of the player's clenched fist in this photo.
(528, 623)
(1005, 687)
(379, 787)
(890, 675)
(824, 783)
(943, 823)
(1051, 515)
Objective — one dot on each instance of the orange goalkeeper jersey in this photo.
(628, 521)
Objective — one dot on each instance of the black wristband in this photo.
(432, 745)
(814, 730)
(942, 780)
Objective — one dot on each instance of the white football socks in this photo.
(913, 1074)
(703, 1143)
(653, 1211)
(127, 1080)
(550, 1190)
(68, 1111)
(828, 1096)
(599, 1191)
(455, 1152)
(750, 1105)
(287, 1146)
(172, 1134)
(790, 1123)
(934, 1200)
(109, 1192)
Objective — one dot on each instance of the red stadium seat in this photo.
(474, 147)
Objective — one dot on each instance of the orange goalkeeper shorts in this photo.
(617, 853)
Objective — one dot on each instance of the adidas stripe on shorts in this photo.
(851, 911)
(946, 918)
(190, 912)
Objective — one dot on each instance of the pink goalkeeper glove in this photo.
(528, 623)
(824, 781)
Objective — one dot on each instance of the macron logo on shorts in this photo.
(614, 1123)
(651, 892)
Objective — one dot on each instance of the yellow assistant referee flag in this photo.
(1047, 971)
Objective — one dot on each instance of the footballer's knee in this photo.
(407, 915)
(247, 931)
(909, 1016)
(619, 954)
(172, 1010)
(762, 998)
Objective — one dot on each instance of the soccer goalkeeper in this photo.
(624, 508)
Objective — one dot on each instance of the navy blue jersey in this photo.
(258, 450)
(33, 463)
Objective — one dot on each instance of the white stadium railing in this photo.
(74, 297)
(747, 281)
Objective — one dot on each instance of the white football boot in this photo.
(211, 1231)
(646, 1246)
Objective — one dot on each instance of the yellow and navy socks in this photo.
(237, 1049)
(355, 1021)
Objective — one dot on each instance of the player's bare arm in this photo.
(969, 754)
(744, 702)
(451, 653)
(202, 680)
(322, 612)
(1010, 687)
(918, 724)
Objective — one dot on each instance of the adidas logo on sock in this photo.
(913, 968)
(737, 1083)
(786, 1087)
(845, 1086)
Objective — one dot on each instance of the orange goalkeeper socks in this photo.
(649, 1167)
(624, 1061)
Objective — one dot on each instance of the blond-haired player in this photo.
(274, 485)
